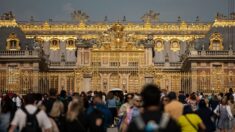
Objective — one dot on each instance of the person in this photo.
(73, 123)
(182, 97)
(205, 114)
(174, 107)
(231, 103)
(99, 116)
(50, 100)
(223, 110)
(128, 103)
(152, 119)
(193, 101)
(63, 97)
(132, 112)
(5, 115)
(189, 121)
(20, 117)
(122, 113)
(57, 116)
(111, 103)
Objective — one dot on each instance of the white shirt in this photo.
(20, 118)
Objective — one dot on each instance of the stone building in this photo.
(82, 56)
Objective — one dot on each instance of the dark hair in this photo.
(171, 96)
(193, 97)
(29, 99)
(52, 92)
(202, 103)
(6, 104)
(151, 95)
(187, 109)
(230, 90)
(62, 93)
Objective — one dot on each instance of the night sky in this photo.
(59, 10)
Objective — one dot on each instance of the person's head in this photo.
(110, 95)
(165, 100)
(52, 92)
(187, 109)
(57, 109)
(137, 101)
(224, 101)
(73, 111)
(151, 95)
(193, 97)
(97, 99)
(29, 99)
(171, 96)
(129, 97)
(63, 93)
(230, 90)
(202, 104)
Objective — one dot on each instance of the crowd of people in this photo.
(151, 110)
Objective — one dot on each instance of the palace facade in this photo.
(82, 56)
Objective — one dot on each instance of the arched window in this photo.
(54, 44)
(159, 46)
(70, 44)
(175, 45)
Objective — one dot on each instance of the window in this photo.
(70, 44)
(12, 42)
(54, 44)
(12, 74)
(175, 46)
(216, 42)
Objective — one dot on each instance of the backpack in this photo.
(31, 124)
(152, 126)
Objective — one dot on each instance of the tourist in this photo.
(205, 114)
(223, 111)
(99, 116)
(174, 107)
(231, 103)
(111, 103)
(73, 123)
(57, 115)
(48, 102)
(152, 116)
(192, 101)
(5, 114)
(182, 97)
(189, 121)
(21, 116)
(122, 113)
(132, 112)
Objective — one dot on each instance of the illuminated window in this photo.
(175, 46)
(12, 74)
(54, 44)
(159, 45)
(70, 44)
(216, 42)
(12, 42)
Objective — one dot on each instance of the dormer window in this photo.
(216, 42)
(12, 42)
(54, 44)
(70, 44)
